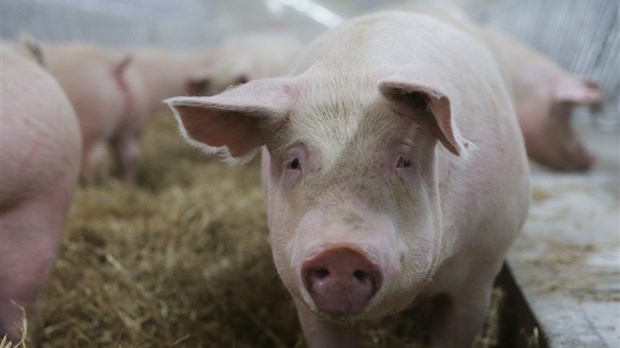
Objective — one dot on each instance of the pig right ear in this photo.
(570, 89)
(236, 123)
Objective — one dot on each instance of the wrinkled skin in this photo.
(40, 155)
(243, 58)
(393, 173)
(102, 86)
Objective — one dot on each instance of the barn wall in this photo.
(583, 36)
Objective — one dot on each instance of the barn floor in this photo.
(182, 260)
(567, 259)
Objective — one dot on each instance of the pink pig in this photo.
(544, 97)
(243, 58)
(102, 87)
(40, 154)
(394, 170)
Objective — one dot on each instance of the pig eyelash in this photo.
(403, 162)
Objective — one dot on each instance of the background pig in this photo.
(244, 58)
(544, 98)
(102, 87)
(40, 156)
(394, 171)
(165, 73)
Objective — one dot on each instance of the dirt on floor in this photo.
(182, 260)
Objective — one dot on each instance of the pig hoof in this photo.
(341, 281)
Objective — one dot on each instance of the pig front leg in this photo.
(324, 334)
(126, 148)
(456, 318)
(92, 161)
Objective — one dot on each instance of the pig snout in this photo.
(586, 162)
(572, 157)
(579, 157)
(341, 281)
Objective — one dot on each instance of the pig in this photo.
(40, 154)
(394, 169)
(102, 85)
(544, 97)
(166, 73)
(240, 59)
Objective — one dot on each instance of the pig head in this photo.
(366, 168)
(336, 205)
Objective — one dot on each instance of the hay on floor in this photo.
(182, 260)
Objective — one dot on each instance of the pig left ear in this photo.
(570, 89)
(426, 105)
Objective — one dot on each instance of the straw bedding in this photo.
(182, 260)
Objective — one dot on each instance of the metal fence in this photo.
(583, 36)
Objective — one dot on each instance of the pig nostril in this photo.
(321, 273)
(360, 275)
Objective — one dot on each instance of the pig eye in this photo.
(403, 162)
(294, 164)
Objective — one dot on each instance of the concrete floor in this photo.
(567, 259)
